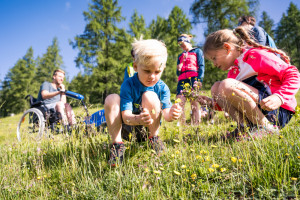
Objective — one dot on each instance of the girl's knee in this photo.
(227, 85)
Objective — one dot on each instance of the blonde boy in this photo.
(143, 99)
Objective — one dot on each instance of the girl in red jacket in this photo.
(261, 87)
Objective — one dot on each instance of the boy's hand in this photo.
(175, 111)
(146, 117)
(271, 103)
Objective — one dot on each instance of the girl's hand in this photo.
(145, 117)
(271, 103)
(204, 100)
(179, 66)
(175, 111)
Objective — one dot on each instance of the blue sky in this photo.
(34, 23)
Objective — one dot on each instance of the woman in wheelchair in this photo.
(53, 97)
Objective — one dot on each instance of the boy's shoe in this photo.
(156, 144)
(236, 134)
(116, 154)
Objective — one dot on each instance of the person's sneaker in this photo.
(116, 154)
(156, 144)
(263, 131)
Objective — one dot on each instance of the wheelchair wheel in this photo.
(31, 125)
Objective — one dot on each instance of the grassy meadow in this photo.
(197, 164)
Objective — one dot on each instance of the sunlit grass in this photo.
(197, 164)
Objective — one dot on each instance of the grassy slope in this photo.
(196, 164)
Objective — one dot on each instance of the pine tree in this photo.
(18, 84)
(288, 34)
(49, 62)
(138, 26)
(267, 23)
(98, 48)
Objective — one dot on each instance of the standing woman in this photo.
(190, 68)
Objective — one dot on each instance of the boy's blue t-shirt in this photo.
(132, 90)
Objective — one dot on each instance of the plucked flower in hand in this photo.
(192, 93)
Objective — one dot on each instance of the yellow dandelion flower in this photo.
(199, 157)
(233, 159)
(207, 158)
(294, 179)
(192, 150)
(173, 156)
(183, 167)
(194, 176)
(156, 172)
(127, 147)
(240, 160)
(215, 166)
(211, 170)
(161, 168)
(287, 154)
(177, 141)
(193, 185)
(186, 85)
(214, 146)
(298, 157)
(177, 152)
(187, 170)
(147, 169)
(177, 173)
(233, 94)
(178, 100)
(280, 136)
(38, 178)
(153, 111)
(184, 179)
(203, 152)
(45, 176)
(222, 169)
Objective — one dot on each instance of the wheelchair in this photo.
(37, 121)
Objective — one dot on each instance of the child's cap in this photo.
(183, 38)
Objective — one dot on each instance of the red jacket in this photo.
(282, 78)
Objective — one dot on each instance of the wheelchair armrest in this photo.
(33, 101)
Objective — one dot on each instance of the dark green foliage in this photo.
(288, 34)
(267, 23)
(17, 84)
(212, 74)
(219, 14)
(138, 26)
(99, 53)
(49, 62)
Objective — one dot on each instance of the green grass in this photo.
(195, 165)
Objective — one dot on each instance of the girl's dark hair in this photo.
(248, 19)
(239, 36)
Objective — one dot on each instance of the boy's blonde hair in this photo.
(146, 50)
